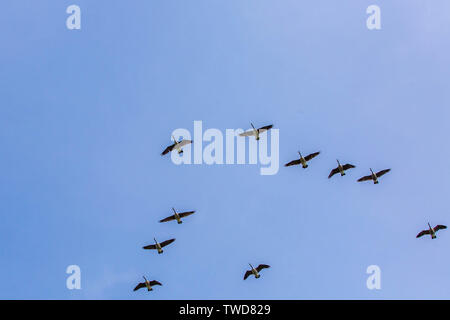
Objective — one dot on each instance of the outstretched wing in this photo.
(184, 142)
(421, 233)
(167, 150)
(365, 178)
(155, 283)
(439, 227)
(139, 286)
(247, 273)
(262, 266)
(170, 218)
(379, 174)
(167, 242)
(185, 214)
(293, 163)
(333, 172)
(247, 133)
(151, 246)
(348, 166)
(265, 128)
(312, 155)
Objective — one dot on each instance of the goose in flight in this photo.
(177, 216)
(158, 246)
(374, 176)
(177, 145)
(431, 231)
(147, 284)
(302, 161)
(255, 132)
(340, 169)
(255, 271)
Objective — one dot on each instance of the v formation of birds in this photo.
(301, 160)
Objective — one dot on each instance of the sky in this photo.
(85, 114)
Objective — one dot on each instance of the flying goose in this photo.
(374, 176)
(177, 216)
(302, 161)
(340, 169)
(255, 132)
(255, 271)
(176, 145)
(431, 231)
(158, 246)
(147, 284)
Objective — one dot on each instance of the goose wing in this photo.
(155, 283)
(170, 218)
(167, 242)
(423, 232)
(439, 227)
(168, 149)
(348, 166)
(139, 286)
(379, 174)
(312, 155)
(184, 142)
(365, 178)
(292, 163)
(185, 214)
(247, 274)
(333, 172)
(247, 133)
(151, 246)
(262, 266)
(265, 128)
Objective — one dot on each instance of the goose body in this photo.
(158, 246)
(177, 145)
(256, 132)
(374, 176)
(340, 169)
(302, 160)
(177, 216)
(431, 231)
(255, 271)
(147, 284)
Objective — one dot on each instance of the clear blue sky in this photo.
(86, 113)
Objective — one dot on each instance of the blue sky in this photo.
(86, 113)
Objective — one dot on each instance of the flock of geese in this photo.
(178, 146)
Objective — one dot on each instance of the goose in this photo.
(177, 216)
(255, 132)
(341, 169)
(302, 160)
(374, 176)
(177, 145)
(431, 231)
(158, 246)
(147, 284)
(255, 271)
